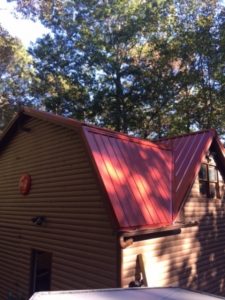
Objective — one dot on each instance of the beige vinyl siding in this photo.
(64, 189)
(193, 258)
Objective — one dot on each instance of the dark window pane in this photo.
(212, 174)
(212, 190)
(218, 191)
(203, 187)
(203, 172)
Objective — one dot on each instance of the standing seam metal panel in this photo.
(144, 199)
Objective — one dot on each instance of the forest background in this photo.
(148, 68)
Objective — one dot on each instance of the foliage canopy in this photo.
(15, 75)
(147, 67)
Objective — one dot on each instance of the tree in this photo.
(56, 84)
(15, 75)
(108, 50)
(200, 101)
(139, 66)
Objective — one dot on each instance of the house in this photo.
(83, 207)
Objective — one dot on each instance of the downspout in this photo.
(122, 243)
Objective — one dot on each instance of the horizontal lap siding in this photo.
(194, 258)
(64, 190)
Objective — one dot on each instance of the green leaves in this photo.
(15, 75)
(152, 68)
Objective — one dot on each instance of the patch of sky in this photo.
(25, 30)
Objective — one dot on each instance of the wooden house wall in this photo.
(193, 258)
(64, 189)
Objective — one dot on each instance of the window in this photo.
(209, 181)
(40, 271)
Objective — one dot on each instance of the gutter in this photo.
(153, 231)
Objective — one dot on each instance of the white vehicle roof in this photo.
(125, 294)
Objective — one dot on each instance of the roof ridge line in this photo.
(124, 136)
(81, 124)
(186, 134)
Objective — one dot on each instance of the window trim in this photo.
(208, 181)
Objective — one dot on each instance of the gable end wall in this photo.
(64, 189)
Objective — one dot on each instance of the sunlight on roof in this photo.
(142, 184)
(143, 154)
(114, 172)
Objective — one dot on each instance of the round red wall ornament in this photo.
(24, 184)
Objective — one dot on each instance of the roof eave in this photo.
(41, 115)
(10, 125)
(52, 118)
(171, 228)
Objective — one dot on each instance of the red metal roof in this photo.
(145, 182)
(137, 176)
(188, 151)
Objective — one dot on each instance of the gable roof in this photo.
(145, 182)
(188, 152)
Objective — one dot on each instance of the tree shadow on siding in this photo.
(207, 271)
(210, 265)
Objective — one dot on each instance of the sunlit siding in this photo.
(193, 258)
(64, 189)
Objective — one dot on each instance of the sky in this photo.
(26, 30)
